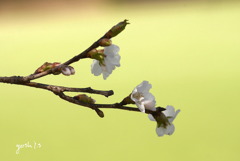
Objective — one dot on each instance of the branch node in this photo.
(55, 89)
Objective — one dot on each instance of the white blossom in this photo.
(170, 114)
(110, 62)
(142, 98)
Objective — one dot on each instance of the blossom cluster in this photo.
(106, 61)
(145, 100)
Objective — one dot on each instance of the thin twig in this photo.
(59, 90)
(76, 58)
(55, 89)
(95, 106)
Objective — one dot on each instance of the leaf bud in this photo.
(84, 98)
(115, 30)
(46, 66)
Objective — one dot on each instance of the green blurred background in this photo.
(188, 50)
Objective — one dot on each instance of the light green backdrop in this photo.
(189, 53)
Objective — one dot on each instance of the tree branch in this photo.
(97, 106)
(55, 89)
(59, 90)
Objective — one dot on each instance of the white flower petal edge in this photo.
(142, 98)
(96, 69)
(167, 131)
(170, 112)
(111, 61)
(171, 115)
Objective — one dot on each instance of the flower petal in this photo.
(144, 87)
(132, 95)
(170, 129)
(149, 101)
(110, 62)
(111, 50)
(95, 68)
(169, 111)
(109, 67)
(160, 131)
(175, 115)
(140, 106)
(141, 96)
(149, 104)
(105, 75)
(114, 60)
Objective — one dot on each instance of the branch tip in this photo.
(99, 112)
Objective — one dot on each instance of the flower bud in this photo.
(84, 98)
(105, 42)
(72, 70)
(115, 30)
(66, 71)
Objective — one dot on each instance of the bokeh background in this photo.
(188, 50)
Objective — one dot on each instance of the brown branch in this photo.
(55, 89)
(20, 79)
(58, 90)
(114, 31)
(75, 58)
(97, 106)
(39, 75)
(84, 53)
(121, 107)
(89, 90)
(13, 80)
(109, 106)
(26, 80)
